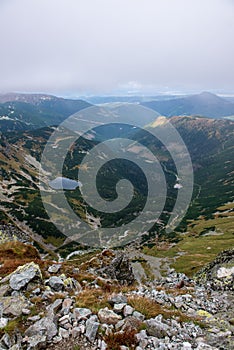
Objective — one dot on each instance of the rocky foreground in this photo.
(98, 305)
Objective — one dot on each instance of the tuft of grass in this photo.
(57, 296)
(76, 347)
(93, 299)
(150, 309)
(17, 324)
(126, 338)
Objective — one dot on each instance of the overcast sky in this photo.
(104, 46)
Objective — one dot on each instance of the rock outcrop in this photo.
(219, 274)
(119, 269)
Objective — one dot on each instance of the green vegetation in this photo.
(203, 241)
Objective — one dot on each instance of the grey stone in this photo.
(143, 343)
(36, 342)
(15, 347)
(103, 345)
(6, 340)
(75, 332)
(4, 290)
(55, 306)
(119, 325)
(67, 326)
(117, 299)
(13, 306)
(34, 318)
(26, 311)
(82, 328)
(64, 319)
(47, 294)
(57, 339)
(219, 273)
(186, 346)
(118, 308)
(45, 326)
(128, 310)
(138, 315)
(81, 313)
(119, 269)
(36, 291)
(54, 268)
(91, 328)
(108, 316)
(64, 333)
(131, 322)
(141, 335)
(67, 303)
(203, 346)
(156, 328)
(56, 283)
(24, 274)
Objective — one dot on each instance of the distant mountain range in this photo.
(32, 111)
(205, 104)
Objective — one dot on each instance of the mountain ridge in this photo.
(205, 104)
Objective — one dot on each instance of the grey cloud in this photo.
(102, 45)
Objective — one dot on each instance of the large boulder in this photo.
(120, 269)
(45, 327)
(23, 275)
(219, 274)
(14, 305)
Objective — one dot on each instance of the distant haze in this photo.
(101, 46)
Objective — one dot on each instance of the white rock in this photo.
(128, 310)
(63, 333)
(108, 316)
(3, 322)
(119, 307)
(54, 268)
(186, 346)
(225, 272)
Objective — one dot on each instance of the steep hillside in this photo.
(29, 111)
(210, 143)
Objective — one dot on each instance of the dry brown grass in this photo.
(15, 254)
(93, 299)
(96, 299)
(151, 309)
(115, 340)
(12, 250)
(56, 296)
(176, 291)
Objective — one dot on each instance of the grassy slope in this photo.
(195, 248)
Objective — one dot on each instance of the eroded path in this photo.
(147, 266)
